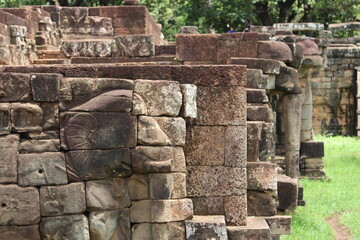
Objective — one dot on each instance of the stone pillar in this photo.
(292, 104)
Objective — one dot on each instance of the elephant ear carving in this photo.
(79, 131)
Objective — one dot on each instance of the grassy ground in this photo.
(339, 195)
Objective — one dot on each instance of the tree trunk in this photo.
(104, 2)
(284, 8)
(262, 10)
(63, 3)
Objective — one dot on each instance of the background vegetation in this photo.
(217, 15)
(339, 195)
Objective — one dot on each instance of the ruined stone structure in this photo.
(205, 138)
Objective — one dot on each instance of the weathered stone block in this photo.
(260, 113)
(161, 131)
(253, 140)
(206, 227)
(230, 101)
(268, 66)
(20, 233)
(261, 203)
(274, 50)
(39, 146)
(208, 206)
(26, 117)
(256, 96)
(98, 131)
(235, 146)
(288, 81)
(167, 185)
(87, 48)
(205, 181)
(141, 231)
(19, 206)
(138, 186)
(235, 210)
(45, 135)
(261, 176)
(62, 200)
(112, 101)
(110, 225)
(133, 46)
(255, 229)
(107, 194)
(160, 97)
(50, 116)
(312, 149)
(256, 79)
(189, 107)
(9, 148)
(158, 159)
(101, 26)
(205, 145)
(77, 91)
(287, 192)
(42, 169)
(72, 227)
(196, 47)
(5, 116)
(168, 231)
(160, 211)
(279, 225)
(14, 87)
(45, 87)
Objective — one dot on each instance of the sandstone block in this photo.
(261, 176)
(189, 107)
(288, 81)
(111, 101)
(62, 200)
(44, 135)
(142, 231)
(20, 233)
(158, 159)
(260, 113)
(9, 148)
(279, 225)
(138, 186)
(45, 87)
(206, 227)
(98, 164)
(160, 97)
(189, 30)
(107, 194)
(5, 116)
(205, 145)
(98, 131)
(72, 227)
(42, 169)
(256, 96)
(287, 192)
(196, 47)
(309, 46)
(26, 117)
(204, 181)
(168, 231)
(274, 50)
(77, 91)
(229, 45)
(268, 66)
(167, 185)
(133, 46)
(50, 116)
(161, 131)
(87, 48)
(256, 79)
(230, 101)
(267, 148)
(208, 206)
(235, 210)
(255, 229)
(261, 203)
(39, 146)
(312, 149)
(110, 225)
(235, 146)
(253, 140)
(161, 211)
(19, 206)
(15, 87)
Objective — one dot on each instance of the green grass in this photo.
(340, 195)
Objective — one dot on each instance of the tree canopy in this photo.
(218, 15)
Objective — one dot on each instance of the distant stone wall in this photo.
(88, 147)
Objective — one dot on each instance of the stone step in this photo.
(52, 61)
(287, 192)
(256, 96)
(47, 47)
(279, 225)
(206, 227)
(255, 229)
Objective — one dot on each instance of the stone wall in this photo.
(77, 133)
